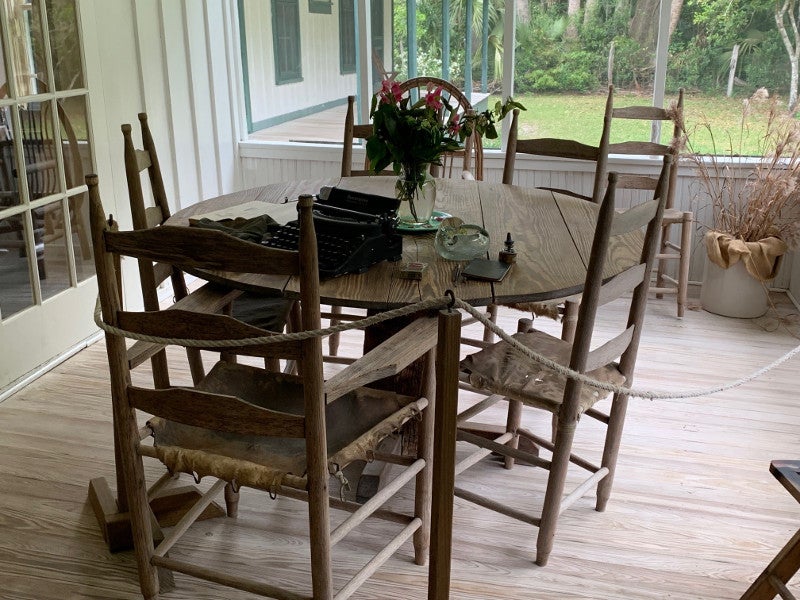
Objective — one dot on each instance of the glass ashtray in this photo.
(456, 240)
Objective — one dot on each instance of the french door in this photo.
(46, 261)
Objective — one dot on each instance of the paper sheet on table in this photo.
(282, 213)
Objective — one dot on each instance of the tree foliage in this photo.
(549, 57)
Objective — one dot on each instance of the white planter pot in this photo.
(732, 292)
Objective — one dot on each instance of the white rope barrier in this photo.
(434, 303)
(438, 303)
(631, 392)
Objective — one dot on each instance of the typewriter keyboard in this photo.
(334, 251)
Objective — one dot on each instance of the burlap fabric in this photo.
(760, 258)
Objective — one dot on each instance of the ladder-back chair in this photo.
(280, 433)
(471, 157)
(567, 149)
(255, 309)
(501, 371)
(670, 251)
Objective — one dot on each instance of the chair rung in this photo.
(479, 407)
(473, 342)
(672, 245)
(663, 290)
(478, 455)
(501, 448)
(377, 560)
(548, 445)
(190, 517)
(339, 360)
(376, 501)
(496, 506)
(340, 316)
(671, 280)
(667, 256)
(580, 491)
(225, 578)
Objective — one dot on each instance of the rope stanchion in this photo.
(630, 392)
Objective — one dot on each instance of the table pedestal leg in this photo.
(167, 509)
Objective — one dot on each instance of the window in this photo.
(322, 7)
(347, 36)
(286, 41)
(45, 151)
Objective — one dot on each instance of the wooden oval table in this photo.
(553, 238)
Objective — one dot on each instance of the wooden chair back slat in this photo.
(143, 160)
(639, 148)
(610, 350)
(634, 279)
(189, 248)
(153, 217)
(559, 148)
(216, 412)
(645, 113)
(563, 148)
(208, 249)
(181, 324)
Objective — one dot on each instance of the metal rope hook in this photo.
(450, 294)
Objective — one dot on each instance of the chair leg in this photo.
(555, 490)
(514, 417)
(319, 531)
(660, 264)
(616, 420)
(139, 511)
(160, 368)
(570, 321)
(423, 486)
(685, 260)
(333, 339)
(513, 422)
(488, 335)
(195, 364)
(232, 499)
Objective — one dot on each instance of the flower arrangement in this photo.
(755, 216)
(411, 137)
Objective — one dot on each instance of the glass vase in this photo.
(417, 194)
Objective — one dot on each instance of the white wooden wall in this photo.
(268, 163)
(175, 60)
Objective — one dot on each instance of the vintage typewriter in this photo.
(354, 231)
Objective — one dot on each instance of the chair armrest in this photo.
(387, 359)
(209, 298)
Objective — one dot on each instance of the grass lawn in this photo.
(579, 117)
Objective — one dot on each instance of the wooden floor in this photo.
(694, 514)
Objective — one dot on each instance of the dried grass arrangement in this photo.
(755, 199)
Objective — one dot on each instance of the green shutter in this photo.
(347, 36)
(286, 41)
